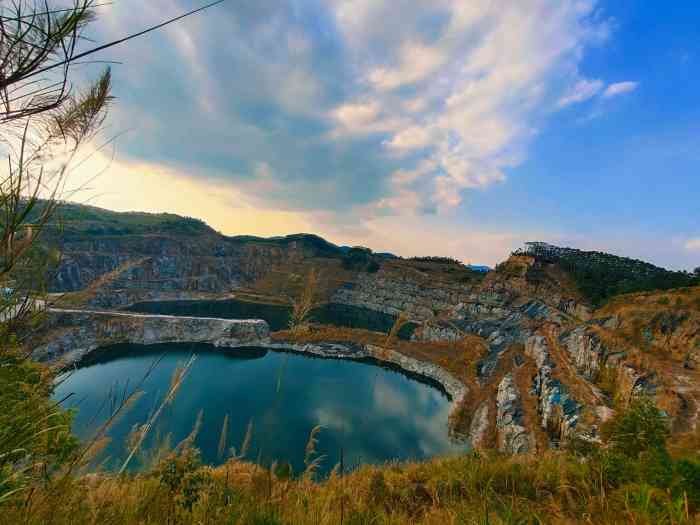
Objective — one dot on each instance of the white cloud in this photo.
(692, 245)
(473, 89)
(619, 88)
(416, 62)
(452, 91)
(415, 137)
(583, 90)
(356, 116)
(362, 118)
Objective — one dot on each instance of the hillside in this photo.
(547, 360)
(600, 276)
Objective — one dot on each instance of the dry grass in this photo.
(542, 488)
(458, 358)
(289, 279)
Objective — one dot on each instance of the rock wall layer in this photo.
(73, 333)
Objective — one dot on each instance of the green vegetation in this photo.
(629, 480)
(436, 259)
(35, 437)
(360, 259)
(600, 276)
(77, 220)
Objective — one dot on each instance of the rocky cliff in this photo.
(74, 333)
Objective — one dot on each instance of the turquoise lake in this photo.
(375, 414)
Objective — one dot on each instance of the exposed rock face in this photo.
(168, 265)
(513, 437)
(558, 411)
(76, 332)
(634, 382)
(586, 350)
(123, 263)
(394, 295)
(479, 425)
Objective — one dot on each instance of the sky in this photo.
(438, 127)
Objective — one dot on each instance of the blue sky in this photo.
(420, 127)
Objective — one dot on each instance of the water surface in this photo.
(375, 414)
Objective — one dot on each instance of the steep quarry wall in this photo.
(395, 294)
(557, 409)
(513, 437)
(524, 313)
(73, 333)
(167, 266)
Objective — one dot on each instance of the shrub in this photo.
(640, 428)
(34, 432)
(182, 474)
(600, 276)
(688, 472)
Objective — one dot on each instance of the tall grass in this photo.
(476, 488)
(175, 383)
(302, 307)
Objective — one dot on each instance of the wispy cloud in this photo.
(620, 88)
(581, 91)
(468, 87)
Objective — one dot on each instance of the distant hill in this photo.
(596, 275)
(73, 219)
(600, 276)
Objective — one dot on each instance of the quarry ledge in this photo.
(69, 335)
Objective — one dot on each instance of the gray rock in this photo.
(479, 425)
(513, 437)
(74, 333)
(587, 352)
(558, 411)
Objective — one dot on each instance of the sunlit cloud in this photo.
(483, 73)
